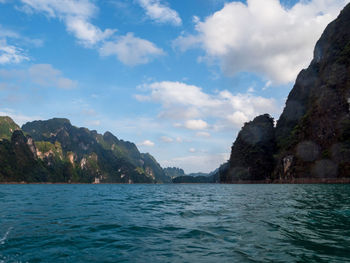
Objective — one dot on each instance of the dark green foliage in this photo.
(7, 127)
(252, 153)
(64, 153)
(153, 169)
(95, 155)
(18, 163)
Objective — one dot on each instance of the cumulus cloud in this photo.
(93, 123)
(189, 107)
(147, 143)
(263, 36)
(159, 12)
(196, 125)
(131, 50)
(192, 150)
(166, 139)
(11, 54)
(76, 14)
(42, 75)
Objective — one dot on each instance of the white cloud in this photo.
(93, 123)
(189, 106)
(131, 50)
(7, 34)
(179, 139)
(76, 14)
(267, 85)
(11, 54)
(263, 36)
(43, 75)
(185, 42)
(192, 150)
(166, 139)
(203, 134)
(87, 33)
(147, 143)
(159, 12)
(251, 90)
(196, 125)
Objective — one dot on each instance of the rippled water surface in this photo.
(174, 223)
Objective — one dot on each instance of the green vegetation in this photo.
(7, 127)
(65, 153)
(252, 153)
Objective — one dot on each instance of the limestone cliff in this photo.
(312, 135)
(313, 132)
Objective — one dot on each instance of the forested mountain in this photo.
(60, 152)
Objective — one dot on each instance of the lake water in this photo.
(174, 223)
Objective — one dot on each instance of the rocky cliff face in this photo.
(252, 153)
(56, 151)
(95, 155)
(313, 133)
(173, 172)
(18, 160)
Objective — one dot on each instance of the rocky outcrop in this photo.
(56, 151)
(313, 131)
(252, 152)
(173, 172)
(18, 160)
(311, 141)
(93, 155)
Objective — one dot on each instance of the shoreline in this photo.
(295, 181)
(280, 181)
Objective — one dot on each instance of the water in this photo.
(174, 223)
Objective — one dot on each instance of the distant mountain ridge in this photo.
(196, 178)
(65, 153)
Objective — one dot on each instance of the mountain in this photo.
(252, 152)
(198, 178)
(198, 174)
(18, 160)
(313, 132)
(173, 172)
(311, 141)
(7, 127)
(65, 153)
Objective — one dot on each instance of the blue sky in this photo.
(178, 78)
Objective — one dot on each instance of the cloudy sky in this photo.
(178, 78)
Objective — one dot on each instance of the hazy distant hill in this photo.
(173, 172)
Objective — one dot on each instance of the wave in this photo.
(4, 238)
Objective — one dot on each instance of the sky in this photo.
(177, 78)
